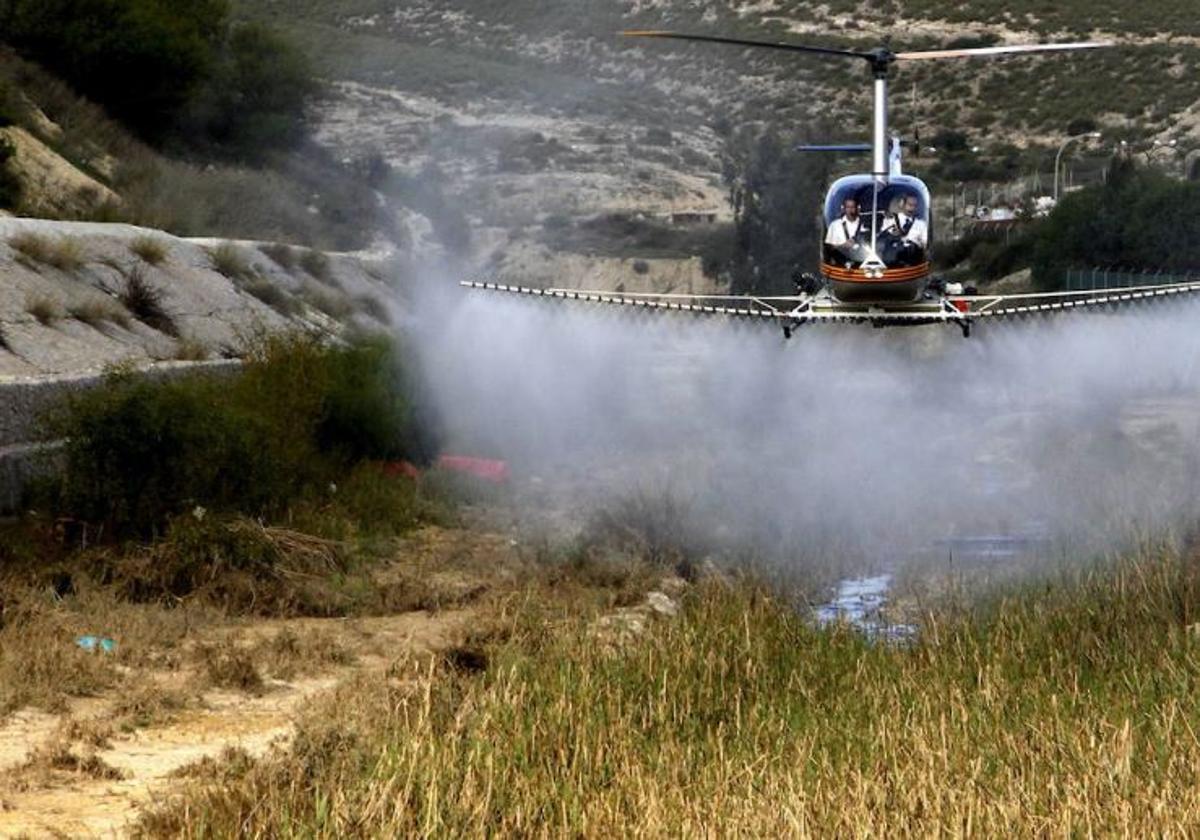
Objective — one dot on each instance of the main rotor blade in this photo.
(1008, 50)
(739, 42)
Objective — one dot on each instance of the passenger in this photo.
(843, 233)
(907, 225)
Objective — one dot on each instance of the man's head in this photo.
(850, 208)
(909, 205)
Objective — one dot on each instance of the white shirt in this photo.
(842, 231)
(917, 234)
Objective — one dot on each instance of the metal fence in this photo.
(1091, 279)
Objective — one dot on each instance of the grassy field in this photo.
(1060, 709)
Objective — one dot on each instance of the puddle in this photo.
(859, 602)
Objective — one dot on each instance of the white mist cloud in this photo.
(1082, 424)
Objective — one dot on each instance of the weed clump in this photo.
(334, 304)
(375, 308)
(228, 259)
(63, 253)
(190, 350)
(230, 666)
(45, 310)
(273, 296)
(317, 265)
(150, 249)
(282, 255)
(97, 311)
(145, 302)
(234, 564)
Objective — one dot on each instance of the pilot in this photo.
(843, 233)
(907, 224)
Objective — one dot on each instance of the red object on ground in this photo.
(483, 468)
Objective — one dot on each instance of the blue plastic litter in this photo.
(94, 643)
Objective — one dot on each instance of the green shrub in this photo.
(295, 418)
(179, 73)
(376, 406)
(1114, 225)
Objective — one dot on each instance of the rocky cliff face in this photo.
(78, 297)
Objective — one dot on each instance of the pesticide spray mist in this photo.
(872, 442)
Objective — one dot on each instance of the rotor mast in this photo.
(879, 139)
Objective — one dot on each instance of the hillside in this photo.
(526, 115)
(81, 296)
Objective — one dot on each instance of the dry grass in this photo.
(273, 296)
(97, 311)
(1063, 709)
(150, 249)
(230, 260)
(374, 307)
(229, 665)
(43, 611)
(290, 654)
(61, 760)
(333, 303)
(45, 309)
(191, 350)
(282, 255)
(317, 265)
(145, 704)
(64, 253)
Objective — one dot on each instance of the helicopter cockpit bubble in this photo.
(893, 229)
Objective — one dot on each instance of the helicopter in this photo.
(875, 267)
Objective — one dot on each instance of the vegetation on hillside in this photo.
(306, 196)
(188, 75)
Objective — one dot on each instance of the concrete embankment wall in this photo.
(27, 446)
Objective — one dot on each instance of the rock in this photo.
(662, 604)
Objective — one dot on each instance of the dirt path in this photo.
(77, 804)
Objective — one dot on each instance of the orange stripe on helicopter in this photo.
(890, 275)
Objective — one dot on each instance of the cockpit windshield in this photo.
(872, 224)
